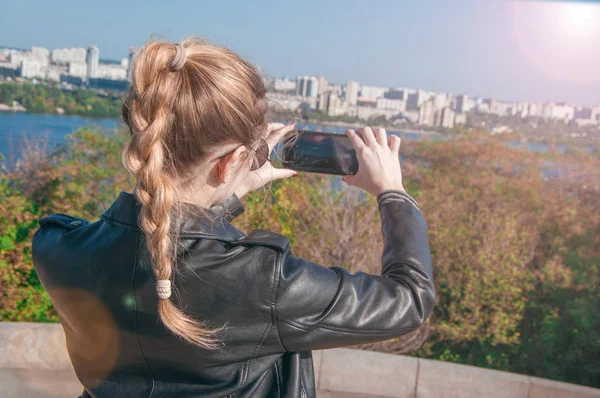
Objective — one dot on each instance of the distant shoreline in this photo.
(359, 125)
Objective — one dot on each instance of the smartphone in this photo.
(316, 152)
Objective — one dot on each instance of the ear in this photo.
(229, 165)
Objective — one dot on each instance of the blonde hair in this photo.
(184, 99)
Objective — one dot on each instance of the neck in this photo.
(203, 197)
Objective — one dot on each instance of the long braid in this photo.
(144, 156)
(183, 100)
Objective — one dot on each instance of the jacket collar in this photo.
(213, 224)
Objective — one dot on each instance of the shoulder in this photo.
(57, 223)
(265, 239)
(63, 221)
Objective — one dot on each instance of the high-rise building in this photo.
(416, 99)
(78, 69)
(111, 71)
(312, 87)
(301, 86)
(461, 103)
(446, 118)
(93, 59)
(130, 65)
(32, 68)
(352, 92)
(391, 104)
(426, 113)
(583, 112)
(331, 104)
(322, 84)
(460, 118)
(534, 109)
(396, 94)
(552, 110)
(372, 92)
(284, 84)
(307, 86)
(440, 100)
(66, 55)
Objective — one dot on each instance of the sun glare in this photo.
(561, 38)
(579, 19)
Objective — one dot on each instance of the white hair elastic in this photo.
(179, 59)
(163, 288)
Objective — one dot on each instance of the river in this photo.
(51, 130)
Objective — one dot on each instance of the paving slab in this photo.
(544, 388)
(368, 373)
(439, 379)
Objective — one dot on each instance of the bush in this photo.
(515, 239)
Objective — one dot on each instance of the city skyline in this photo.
(110, 62)
(462, 47)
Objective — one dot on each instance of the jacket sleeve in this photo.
(319, 307)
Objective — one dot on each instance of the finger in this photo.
(274, 126)
(276, 135)
(395, 144)
(357, 142)
(381, 136)
(279, 174)
(368, 136)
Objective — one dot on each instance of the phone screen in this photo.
(317, 152)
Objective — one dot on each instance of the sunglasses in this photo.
(261, 154)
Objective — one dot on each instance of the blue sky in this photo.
(499, 48)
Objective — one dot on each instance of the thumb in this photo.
(349, 179)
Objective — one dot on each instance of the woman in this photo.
(163, 297)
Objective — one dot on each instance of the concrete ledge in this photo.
(34, 363)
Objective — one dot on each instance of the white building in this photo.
(392, 104)
(502, 108)
(287, 102)
(40, 52)
(32, 68)
(534, 109)
(130, 63)
(321, 84)
(92, 60)
(416, 99)
(368, 112)
(53, 72)
(564, 112)
(111, 71)
(462, 103)
(284, 84)
(77, 69)
(307, 86)
(17, 57)
(445, 118)
(372, 92)
(440, 100)
(426, 113)
(332, 104)
(66, 55)
(352, 92)
(460, 118)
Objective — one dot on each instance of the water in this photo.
(54, 128)
(16, 126)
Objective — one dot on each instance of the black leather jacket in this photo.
(275, 308)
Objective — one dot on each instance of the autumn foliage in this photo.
(515, 238)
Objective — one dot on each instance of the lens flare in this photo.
(562, 39)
